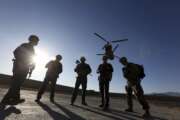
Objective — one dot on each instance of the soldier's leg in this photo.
(53, 87)
(101, 88)
(75, 91)
(9, 95)
(15, 80)
(139, 93)
(107, 93)
(129, 98)
(14, 90)
(84, 86)
(22, 78)
(42, 88)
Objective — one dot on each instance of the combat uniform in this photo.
(23, 64)
(131, 73)
(82, 69)
(54, 69)
(105, 77)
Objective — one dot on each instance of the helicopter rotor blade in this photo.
(117, 56)
(100, 54)
(100, 37)
(123, 40)
(115, 47)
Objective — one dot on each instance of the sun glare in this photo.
(41, 58)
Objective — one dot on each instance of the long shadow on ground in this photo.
(106, 115)
(6, 112)
(72, 115)
(55, 115)
(119, 113)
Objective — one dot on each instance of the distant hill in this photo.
(175, 94)
(5, 81)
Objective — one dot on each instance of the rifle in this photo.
(30, 71)
(29, 74)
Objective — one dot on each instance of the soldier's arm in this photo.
(33, 64)
(48, 64)
(76, 68)
(125, 72)
(98, 70)
(60, 68)
(111, 68)
(17, 51)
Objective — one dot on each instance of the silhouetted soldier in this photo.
(23, 64)
(82, 69)
(105, 70)
(54, 69)
(134, 73)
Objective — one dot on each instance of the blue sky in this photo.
(66, 27)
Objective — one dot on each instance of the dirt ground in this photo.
(62, 110)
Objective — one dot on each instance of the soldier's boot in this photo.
(102, 100)
(75, 92)
(129, 99)
(52, 99)
(16, 98)
(38, 98)
(84, 103)
(102, 96)
(84, 86)
(101, 105)
(12, 99)
(143, 102)
(17, 101)
(84, 99)
(72, 100)
(52, 92)
(106, 107)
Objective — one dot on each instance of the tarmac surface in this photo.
(62, 110)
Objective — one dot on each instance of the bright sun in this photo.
(41, 58)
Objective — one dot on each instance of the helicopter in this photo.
(109, 50)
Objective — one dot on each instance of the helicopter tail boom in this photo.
(123, 40)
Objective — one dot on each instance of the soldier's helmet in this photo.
(123, 59)
(33, 38)
(58, 57)
(82, 59)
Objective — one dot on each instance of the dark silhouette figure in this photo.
(134, 73)
(54, 69)
(105, 70)
(22, 65)
(82, 69)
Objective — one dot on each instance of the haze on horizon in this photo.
(66, 27)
